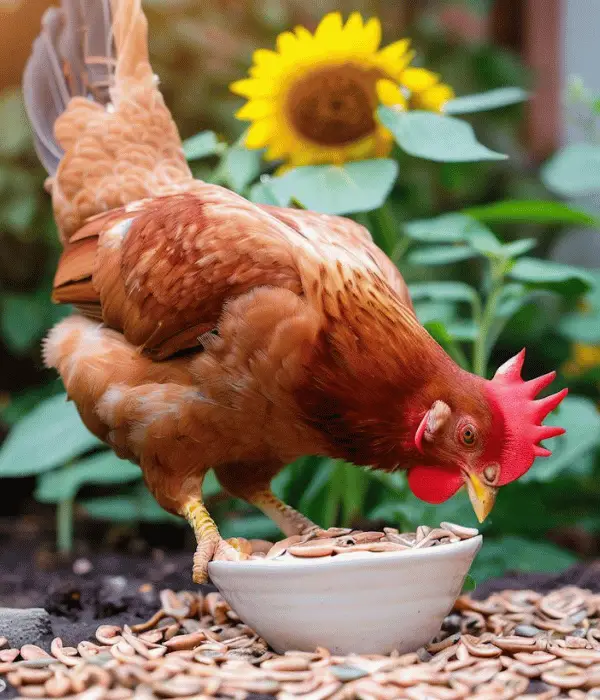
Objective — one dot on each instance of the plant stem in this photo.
(387, 228)
(481, 350)
(64, 525)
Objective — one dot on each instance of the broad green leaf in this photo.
(581, 419)
(447, 228)
(503, 554)
(440, 254)
(18, 213)
(103, 468)
(483, 101)
(483, 241)
(50, 436)
(137, 505)
(242, 166)
(15, 136)
(533, 212)
(427, 311)
(436, 137)
(26, 317)
(444, 291)
(261, 193)
(201, 145)
(517, 248)
(584, 326)
(463, 330)
(354, 187)
(543, 274)
(573, 171)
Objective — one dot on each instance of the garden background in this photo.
(500, 253)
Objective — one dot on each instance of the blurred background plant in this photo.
(459, 219)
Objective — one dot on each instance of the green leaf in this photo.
(543, 274)
(261, 193)
(19, 212)
(440, 254)
(469, 584)
(354, 187)
(573, 171)
(24, 320)
(436, 137)
(242, 166)
(201, 145)
(444, 291)
(517, 248)
(15, 136)
(584, 326)
(447, 228)
(463, 330)
(137, 505)
(483, 101)
(580, 418)
(50, 436)
(444, 311)
(498, 556)
(103, 468)
(531, 211)
(483, 241)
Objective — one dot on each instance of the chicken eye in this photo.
(468, 435)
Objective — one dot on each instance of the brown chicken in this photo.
(215, 333)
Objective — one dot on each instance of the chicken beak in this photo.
(482, 496)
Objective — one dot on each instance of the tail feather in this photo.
(101, 127)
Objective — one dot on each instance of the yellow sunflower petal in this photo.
(435, 98)
(330, 27)
(418, 79)
(265, 57)
(287, 43)
(372, 35)
(390, 94)
(255, 109)
(259, 133)
(303, 34)
(354, 25)
(252, 87)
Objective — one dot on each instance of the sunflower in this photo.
(314, 100)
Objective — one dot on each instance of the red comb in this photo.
(514, 400)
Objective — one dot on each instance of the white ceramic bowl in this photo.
(367, 603)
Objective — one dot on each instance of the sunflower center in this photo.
(335, 105)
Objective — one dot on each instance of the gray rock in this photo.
(25, 626)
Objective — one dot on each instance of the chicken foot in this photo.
(210, 544)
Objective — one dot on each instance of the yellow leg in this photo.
(288, 520)
(210, 545)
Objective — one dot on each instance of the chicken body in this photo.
(216, 333)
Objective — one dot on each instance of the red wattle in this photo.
(434, 484)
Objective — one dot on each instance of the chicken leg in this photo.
(287, 519)
(210, 544)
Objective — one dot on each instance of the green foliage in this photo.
(436, 137)
(51, 435)
(354, 187)
(473, 289)
(484, 101)
(573, 171)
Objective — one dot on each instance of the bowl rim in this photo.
(270, 566)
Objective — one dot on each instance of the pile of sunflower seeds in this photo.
(343, 541)
(515, 644)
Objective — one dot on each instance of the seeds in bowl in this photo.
(336, 541)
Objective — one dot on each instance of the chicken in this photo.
(213, 333)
